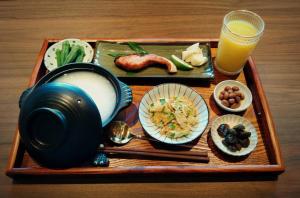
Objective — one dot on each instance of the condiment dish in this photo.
(244, 104)
(233, 120)
(50, 56)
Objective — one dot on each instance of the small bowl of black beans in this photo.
(234, 135)
(232, 96)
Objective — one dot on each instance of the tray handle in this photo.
(126, 95)
(24, 95)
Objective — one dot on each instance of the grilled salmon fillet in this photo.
(135, 62)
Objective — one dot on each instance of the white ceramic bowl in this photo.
(233, 120)
(50, 56)
(170, 90)
(243, 88)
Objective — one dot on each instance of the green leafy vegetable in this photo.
(58, 57)
(81, 55)
(134, 46)
(162, 101)
(117, 54)
(69, 54)
(138, 49)
(75, 50)
(171, 126)
(171, 116)
(65, 51)
(130, 73)
(172, 135)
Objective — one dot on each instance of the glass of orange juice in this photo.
(240, 33)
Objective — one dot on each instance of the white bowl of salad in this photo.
(173, 113)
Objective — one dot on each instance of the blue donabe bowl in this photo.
(60, 124)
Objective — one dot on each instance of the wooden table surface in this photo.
(24, 25)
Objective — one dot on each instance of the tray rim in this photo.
(276, 168)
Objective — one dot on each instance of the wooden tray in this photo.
(265, 159)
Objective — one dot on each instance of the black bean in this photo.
(239, 127)
(232, 131)
(238, 146)
(230, 138)
(223, 129)
(245, 142)
(244, 135)
(232, 148)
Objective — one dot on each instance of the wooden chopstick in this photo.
(142, 137)
(175, 145)
(189, 153)
(201, 156)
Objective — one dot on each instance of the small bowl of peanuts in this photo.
(232, 96)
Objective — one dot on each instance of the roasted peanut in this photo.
(231, 101)
(232, 95)
(238, 94)
(235, 105)
(221, 96)
(242, 96)
(226, 94)
(235, 88)
(225, 103)
(227, 88)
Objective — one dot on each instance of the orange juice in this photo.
(238, 39)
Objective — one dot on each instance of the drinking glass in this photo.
(240, 33)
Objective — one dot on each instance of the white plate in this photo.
(50, 56)
(233, 120)
(170, 90)
(243, 88)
